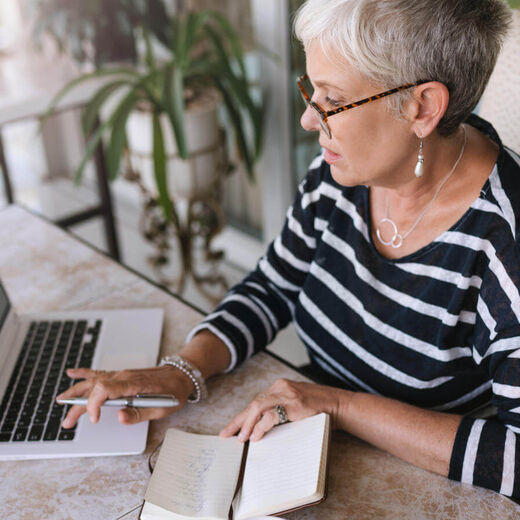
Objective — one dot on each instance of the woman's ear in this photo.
(427, 107)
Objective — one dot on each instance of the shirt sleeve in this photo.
(253, 311)
(487, 451)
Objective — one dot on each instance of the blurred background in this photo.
(164, 132)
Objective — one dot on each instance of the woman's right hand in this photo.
(99, 385)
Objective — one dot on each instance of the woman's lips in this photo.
(330, 156)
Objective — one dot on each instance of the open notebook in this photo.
(209, 478)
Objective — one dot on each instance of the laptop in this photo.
(35, 351)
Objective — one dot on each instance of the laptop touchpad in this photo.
(113, 361)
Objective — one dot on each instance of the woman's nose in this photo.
(310, 120)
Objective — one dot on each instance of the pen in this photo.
(136, 401)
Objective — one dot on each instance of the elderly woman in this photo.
(398, 262)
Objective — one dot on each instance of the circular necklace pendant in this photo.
(397, 239)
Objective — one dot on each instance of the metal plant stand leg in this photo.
(204, 220)
(207, 217)
(201, 221)
(103, 209)
(107, 211)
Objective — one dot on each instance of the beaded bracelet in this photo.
(193, 373)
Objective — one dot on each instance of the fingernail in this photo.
(242, 437)
(92, 419)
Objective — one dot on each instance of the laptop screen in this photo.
(5, 305)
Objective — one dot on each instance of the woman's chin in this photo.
(342, 176)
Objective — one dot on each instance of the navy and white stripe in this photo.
(439, 328)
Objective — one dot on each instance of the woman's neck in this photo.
(405, 203)
(440, 156)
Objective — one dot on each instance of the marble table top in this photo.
(45, 268)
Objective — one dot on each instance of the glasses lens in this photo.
(325, 127)
(304, 99)
(307, 87)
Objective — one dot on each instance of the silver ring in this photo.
(282, 414)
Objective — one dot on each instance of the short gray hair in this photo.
(394, 42)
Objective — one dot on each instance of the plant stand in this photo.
(194, 224)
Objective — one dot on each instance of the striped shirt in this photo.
(439, 328)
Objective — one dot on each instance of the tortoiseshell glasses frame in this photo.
(325, 114)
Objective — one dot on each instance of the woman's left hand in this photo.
(299, 399)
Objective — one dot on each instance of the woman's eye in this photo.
(332, 102)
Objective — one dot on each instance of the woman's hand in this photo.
(99, 386)
(299, 399)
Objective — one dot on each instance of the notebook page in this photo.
(282, 469)
(195, 475)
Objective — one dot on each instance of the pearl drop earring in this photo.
(419, 167)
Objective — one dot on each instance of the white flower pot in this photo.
(187, 179)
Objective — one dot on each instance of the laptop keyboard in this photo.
(29, 411)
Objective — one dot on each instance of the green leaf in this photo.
(91, 112)
(149, 57)
(202, 66)
(179, 31)
(174, 106)
(92, 144)
(96, 137)
(238, 88)
(159, 164)
(236, 122)
(82, 79)
(239, 82)
(196, 20)
(150, 85)
(118, 137)
(232, 37)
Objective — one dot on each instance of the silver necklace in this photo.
(397, 238)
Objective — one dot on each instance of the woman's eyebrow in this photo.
(319, 83)
(323, 84)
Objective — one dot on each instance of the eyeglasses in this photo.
(325, 114)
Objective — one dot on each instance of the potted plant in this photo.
(201, 67)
